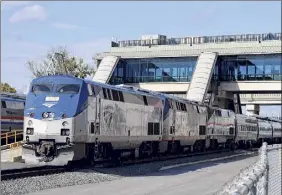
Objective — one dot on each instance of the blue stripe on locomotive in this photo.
(71, 104)
(11, 123)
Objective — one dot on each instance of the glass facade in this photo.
(180, 69)
(154, 70)
(249, 67)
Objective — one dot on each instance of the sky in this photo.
(30, 29)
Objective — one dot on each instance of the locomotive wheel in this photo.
(146, 149)
(198, 146)
(229, 145)
(173, 147)
(213, 144)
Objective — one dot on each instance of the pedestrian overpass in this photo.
(260, 84)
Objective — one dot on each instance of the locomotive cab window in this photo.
(41, 88)
(68, 88)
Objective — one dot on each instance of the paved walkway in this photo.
(202, 179)
(9, 154)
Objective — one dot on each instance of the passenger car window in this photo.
(68, 88)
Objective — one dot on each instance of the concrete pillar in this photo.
(224, 100)
(252, 109)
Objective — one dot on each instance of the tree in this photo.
(59, 61)
(5, 87)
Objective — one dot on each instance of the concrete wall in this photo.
(11, 155)
(240, 86)
(232, 48)
(258, 92)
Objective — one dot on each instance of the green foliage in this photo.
(59, 61)
(5, 87)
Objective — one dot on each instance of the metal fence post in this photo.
(15, 136)
(6, 138)
(267, 177)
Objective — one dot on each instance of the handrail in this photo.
(11, 134)
(13, 95)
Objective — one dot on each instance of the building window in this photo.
(249, 67)
(180, 69)
(154, 70)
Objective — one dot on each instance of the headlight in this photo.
(51, 115)
(29, 131)
(45, 114)
(29, 123)
(65, 132)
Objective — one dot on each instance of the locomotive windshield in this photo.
(41, 88)
(60, 88)
(68, 88)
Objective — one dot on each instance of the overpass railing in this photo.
(199, 40)
(253, 180)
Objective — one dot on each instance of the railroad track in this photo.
(31, 171)
(47, 170)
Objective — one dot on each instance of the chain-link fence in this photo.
(261, 178)
(274, 178)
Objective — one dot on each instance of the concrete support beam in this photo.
(270, 87)
(252, 109)
(224, 100)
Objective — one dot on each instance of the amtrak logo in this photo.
(49, 105)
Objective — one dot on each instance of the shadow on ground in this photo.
(153, 169)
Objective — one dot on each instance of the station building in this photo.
(247, 64)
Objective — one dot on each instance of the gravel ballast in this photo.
(38, 183)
